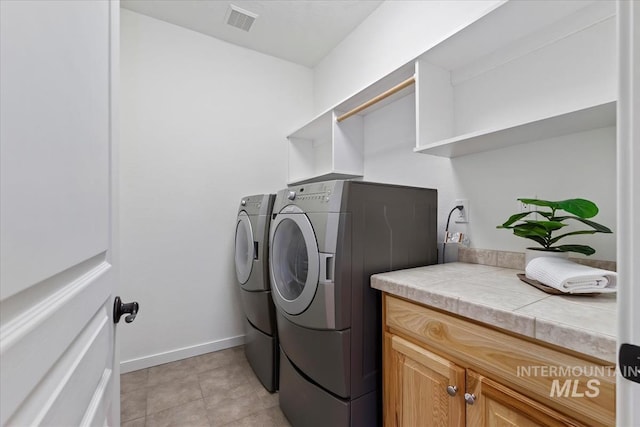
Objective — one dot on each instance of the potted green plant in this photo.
(546, 231)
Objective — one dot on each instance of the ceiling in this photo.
(300, 31)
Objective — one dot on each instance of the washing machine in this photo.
(252, 273)
(326, 240)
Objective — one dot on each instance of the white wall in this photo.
(575, 71)
(395, 33)
(203, 124)
(389, 135)
(579, 165)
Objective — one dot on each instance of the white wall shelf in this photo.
(506, 80)
(595, 117)
(525, 71)
(325, 149)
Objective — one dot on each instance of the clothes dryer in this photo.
(326, 240)
(252, 273)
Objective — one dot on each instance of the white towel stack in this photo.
(570, 277)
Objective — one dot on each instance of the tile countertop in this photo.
(495, 296)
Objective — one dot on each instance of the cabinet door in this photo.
(416, 383)
(497, 405)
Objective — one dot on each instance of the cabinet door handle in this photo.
(470, 398)
(452, 390)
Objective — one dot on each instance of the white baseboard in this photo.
(181, 353)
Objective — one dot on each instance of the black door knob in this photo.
(120, 308)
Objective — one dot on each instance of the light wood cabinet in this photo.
(442, 370)
(425, 385)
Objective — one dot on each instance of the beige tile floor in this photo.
(214, 389)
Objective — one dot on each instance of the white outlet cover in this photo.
(462, 217)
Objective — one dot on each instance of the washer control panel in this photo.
(251, 203)
(256, 205)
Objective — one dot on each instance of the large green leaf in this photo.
(538, 202)
(547, 215)
(581, 249)
(573, 233)
(513, 218)
(528, 229)
(598, 227)
(547, 225)
(539, 240)
(580, 207)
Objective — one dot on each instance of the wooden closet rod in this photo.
(397, 88)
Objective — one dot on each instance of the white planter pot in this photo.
(530, 254)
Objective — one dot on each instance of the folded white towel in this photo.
(570, 277)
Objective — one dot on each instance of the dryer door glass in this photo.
(294, 262)
(293, 267)
(244, 248)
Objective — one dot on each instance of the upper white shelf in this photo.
(332, 146)
(594, 117)
(373, 90)
(527, 25)
(524, 72)
(319, 127)
(322, 123)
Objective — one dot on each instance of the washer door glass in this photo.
(244, 248)
(294, 262)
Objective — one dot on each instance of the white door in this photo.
(58, 63)
(628, 392)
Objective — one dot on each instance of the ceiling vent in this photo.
(240, 18)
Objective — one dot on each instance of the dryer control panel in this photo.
(314, 197)
(323, 197)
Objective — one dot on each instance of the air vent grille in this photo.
(240, 18)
